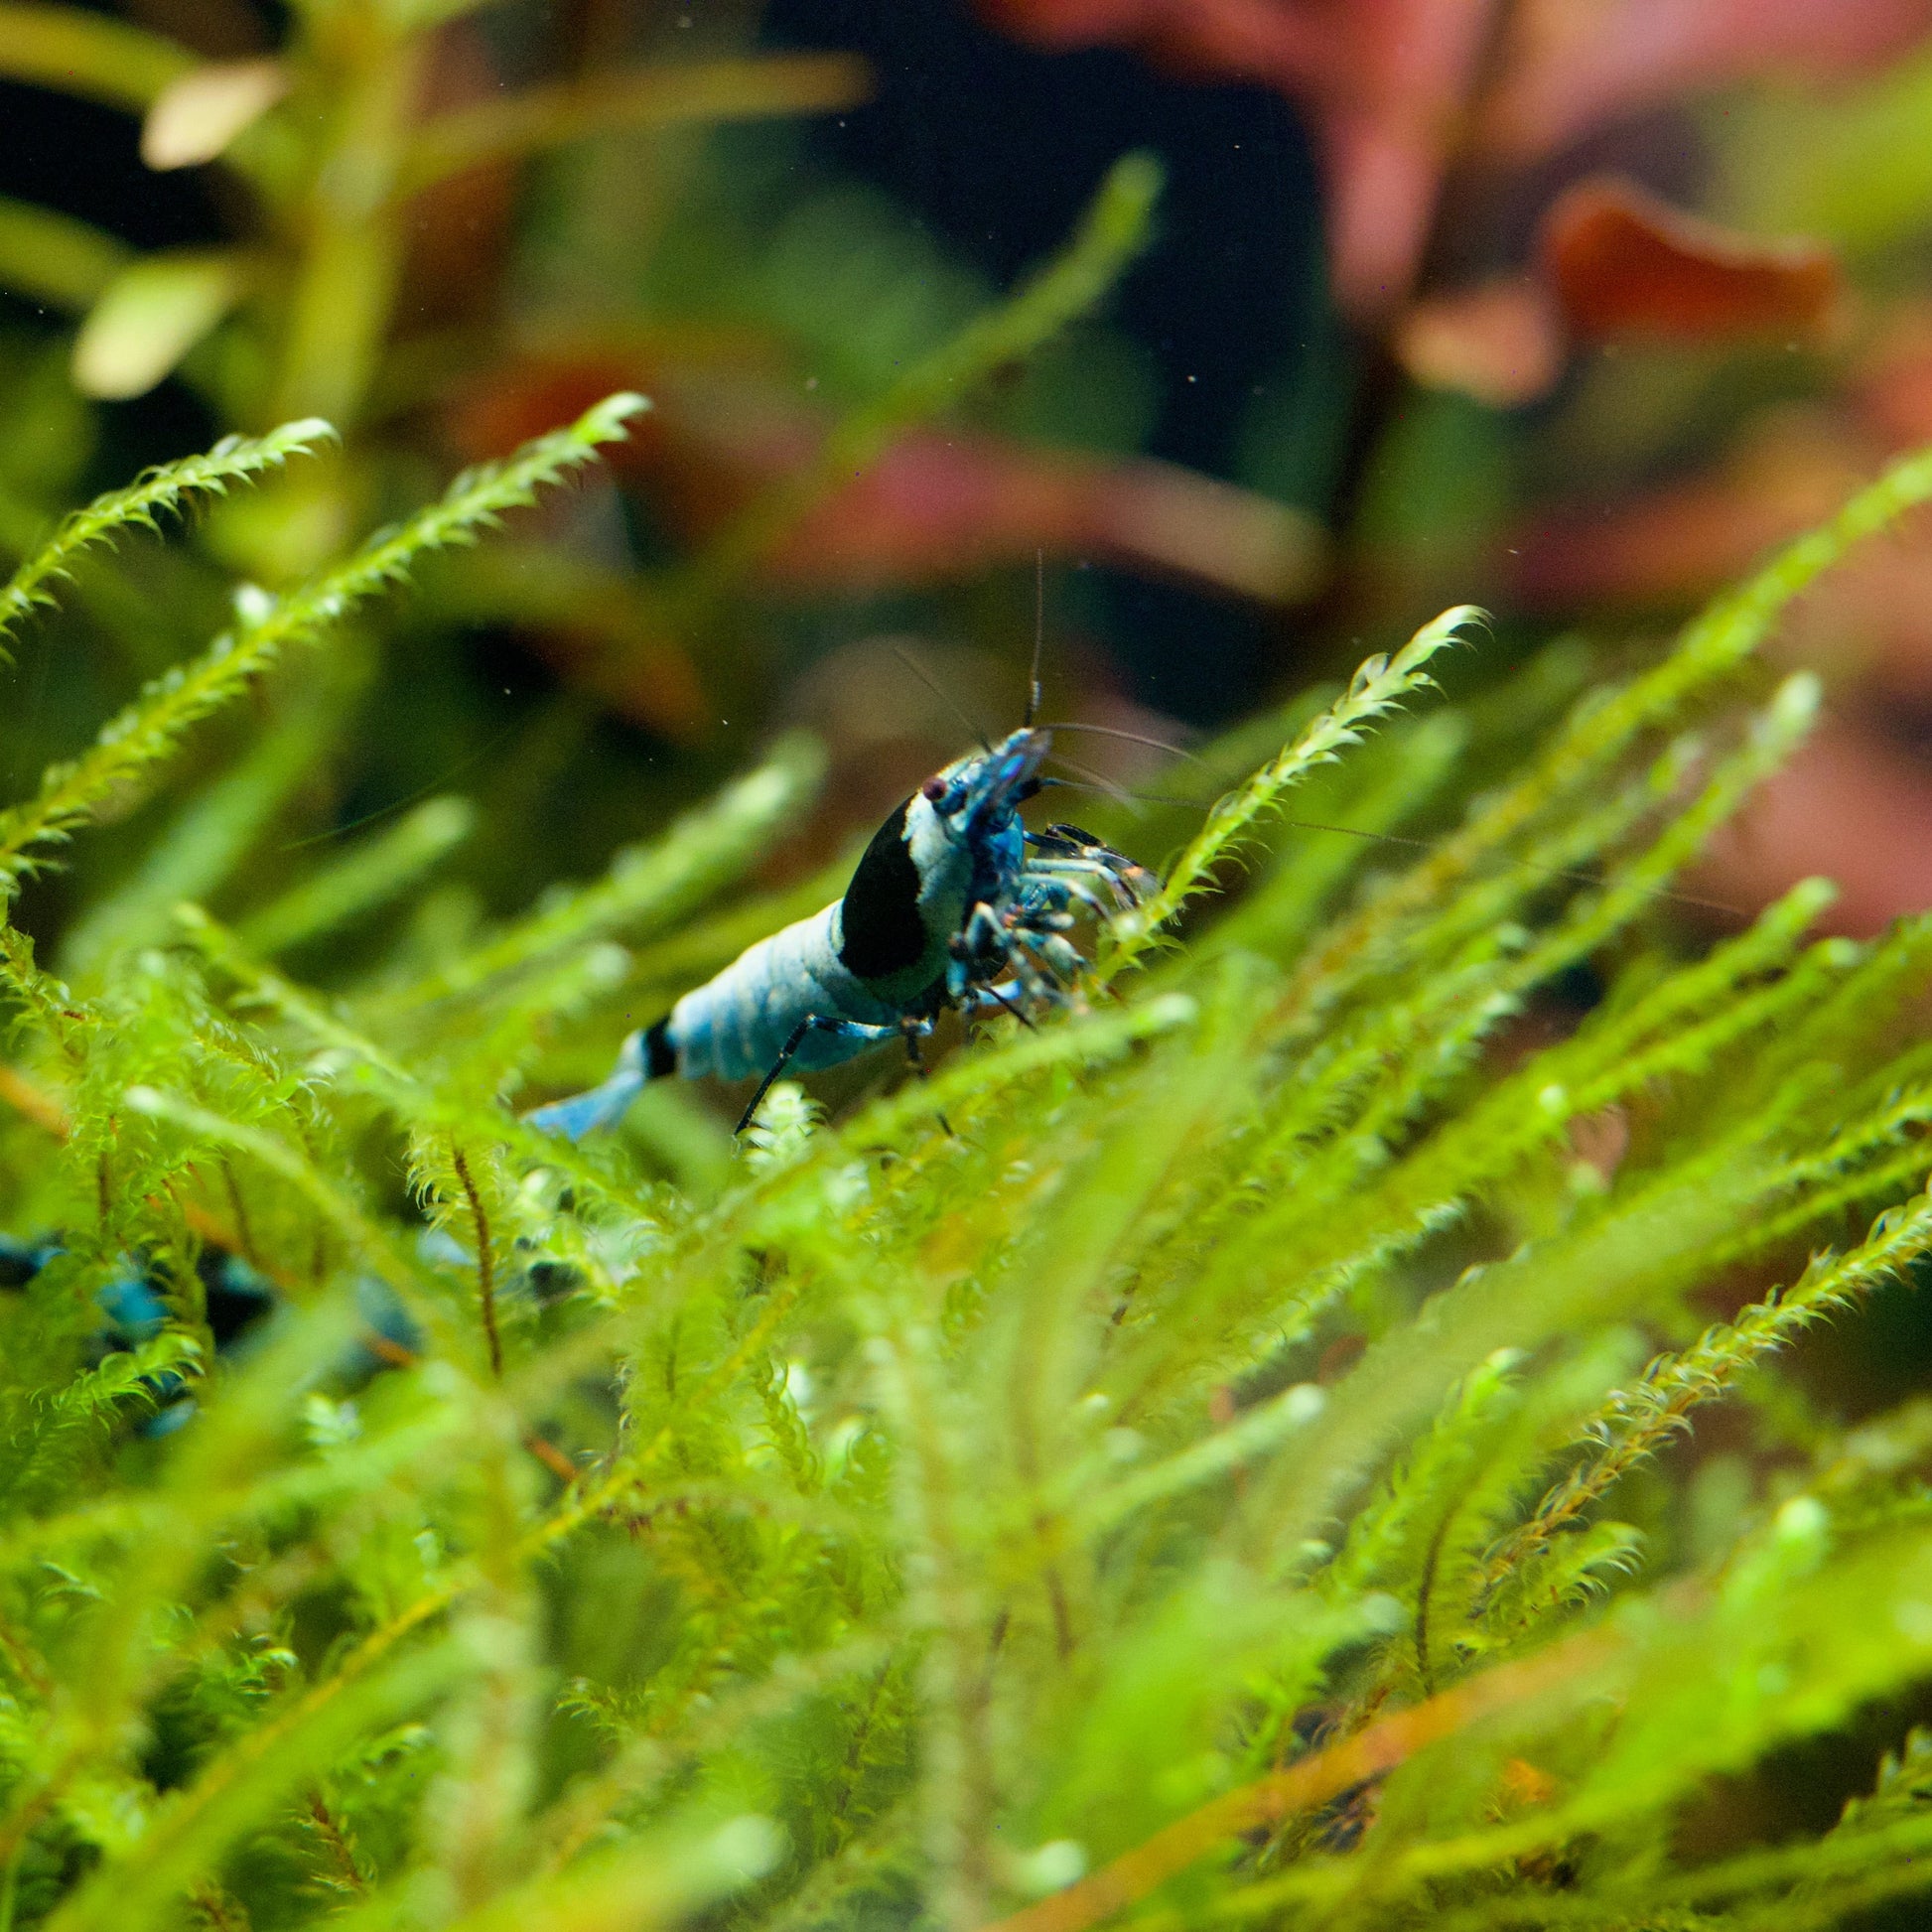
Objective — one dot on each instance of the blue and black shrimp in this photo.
(237, 1300)
(954, 903)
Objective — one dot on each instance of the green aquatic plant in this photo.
(1218, 1458)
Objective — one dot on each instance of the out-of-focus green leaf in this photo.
(380, 868)
(88, 54)
(150, 314)
(195, 118)
(55, 259)
(666, 95)
(209, 836)
(1854, 165)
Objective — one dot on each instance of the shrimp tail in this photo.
(644, 1056)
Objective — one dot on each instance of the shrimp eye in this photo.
(933, 791)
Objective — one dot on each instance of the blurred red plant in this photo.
(1623, 264)
(1384, 84)
(1614, 263)
(941, 503)
(1567, 67)
(1394, 89)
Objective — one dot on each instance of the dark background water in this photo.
(998, 148)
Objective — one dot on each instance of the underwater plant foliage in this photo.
(1230, 1454)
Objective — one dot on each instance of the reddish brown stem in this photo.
(486, 1263)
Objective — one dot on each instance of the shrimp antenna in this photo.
(1040, 633)
(1577, 877)
(940, 692)
(1132, 738)
(1093, 781)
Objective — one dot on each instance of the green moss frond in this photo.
(148, 730)
(1237, 1454)
(1377, 689)
(236, 458)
